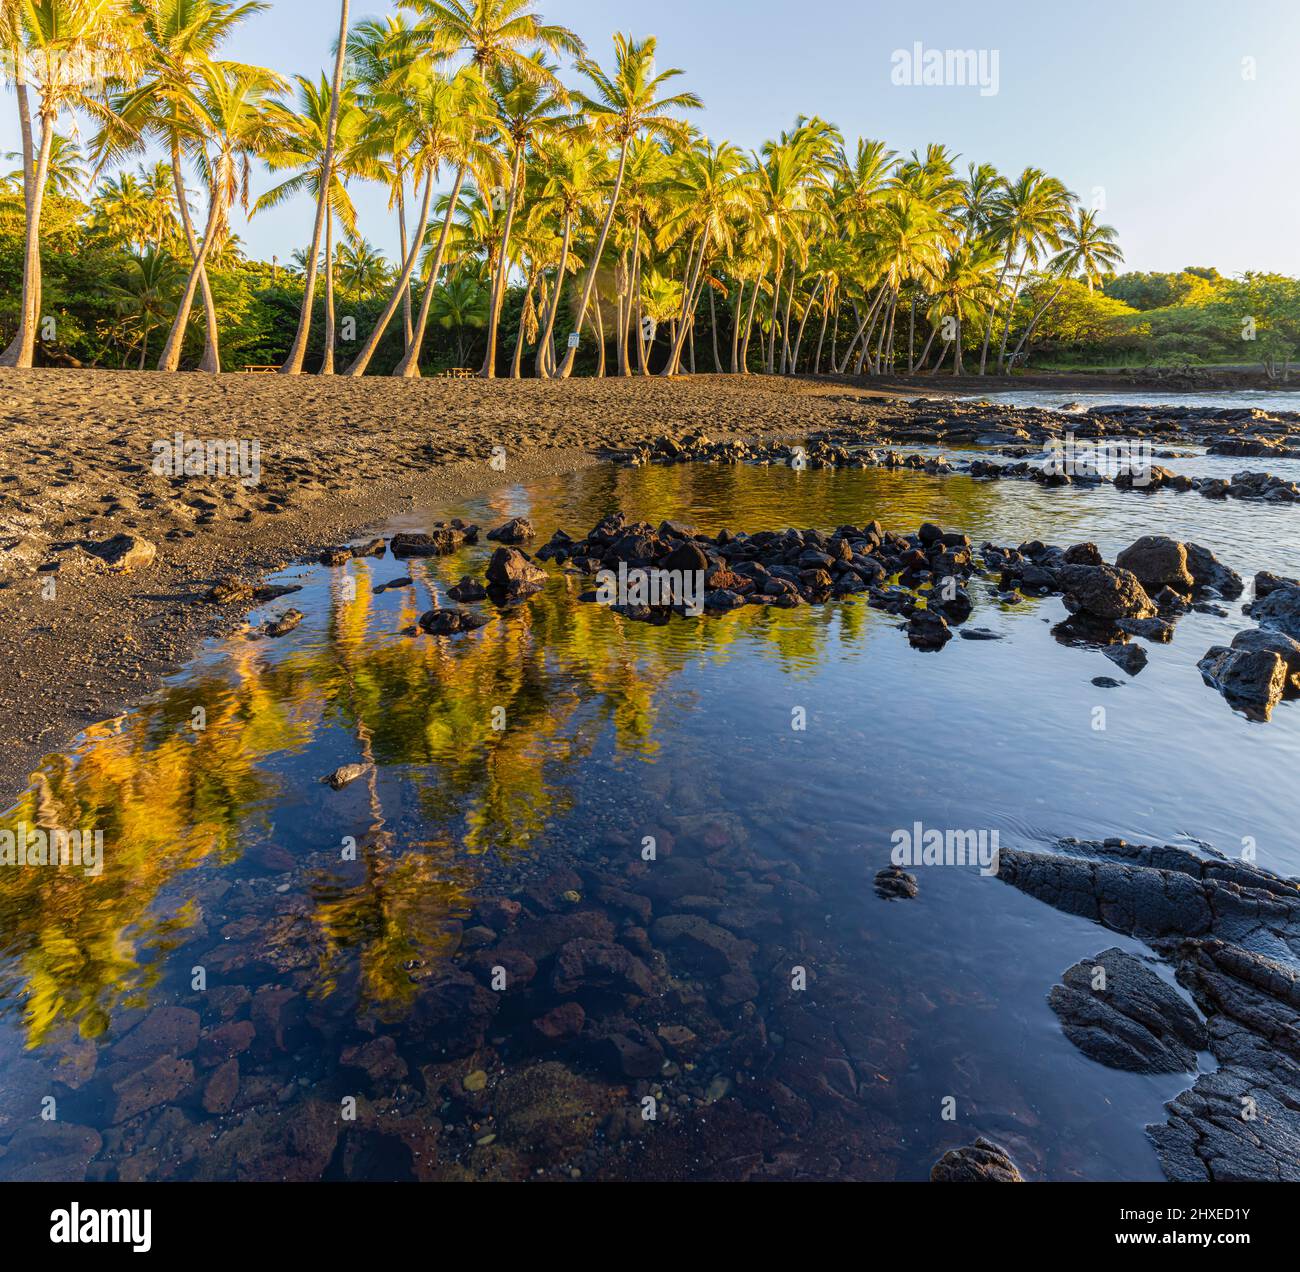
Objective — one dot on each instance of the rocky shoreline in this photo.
(925, 578)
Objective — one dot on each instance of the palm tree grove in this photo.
(551, 592)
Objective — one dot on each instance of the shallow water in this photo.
(1059, 399)
(224, 852)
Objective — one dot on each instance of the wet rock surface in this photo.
(1231, 933)
(1117, 1011)
(983, 1162)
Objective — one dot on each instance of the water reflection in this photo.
(558, 735)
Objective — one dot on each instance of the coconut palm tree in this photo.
(235, 123)
(1027, 215)
(181, 41)
(361, 268)
(67, 175)
(962, 290)
(65, 52)
(572, 171)
(461, 304)
(324, 202)
(527, 111)
(1089, 249)
(138, 209)
(708, 190)
(626, 105)
(381, 51)
(446, 118)
(496, 35)
(144, 293)
(302, 140)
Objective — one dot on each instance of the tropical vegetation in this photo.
(557, 212)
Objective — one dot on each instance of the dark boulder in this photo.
(1117, 1011)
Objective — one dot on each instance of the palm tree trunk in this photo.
(993, 308)
(736, 310)
(624, 304)
(517, 362)
(713, 327)
(546, 343)
(821, 339)
(409, 367)
(600, 339)
(911, 337)
(407, 325)
(785, 322)
(171, 354)
(958, 367)
(489, 370)
(776, 310)
(589, 286)
(327, 363)
(11, 354)
(211, 357)
(749, 327)
(298, 350)
(690, 298)
(798, 344)
(358, 367)
(925, 353)
(1011, 317)
(1038, 317)
(24, 346)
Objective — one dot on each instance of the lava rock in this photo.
(452, 622)
(980, 1163)
(895, 884)
(1158, 562)
(1252, 680)
(519, 530)
(1105, 592)
(1117, 1011)
(123, 554)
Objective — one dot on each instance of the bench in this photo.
(459, 373)
(258, 370)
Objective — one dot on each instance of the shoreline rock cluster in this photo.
(841, 448)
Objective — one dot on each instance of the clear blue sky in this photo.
(1143, 99)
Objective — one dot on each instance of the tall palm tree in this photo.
(381, 51)
(301, 140)
(67, 175)
(1089, 249)
(234, 123)
(361, 268)
(527, 111)
(1028, 214)
(324, 198)
(626, 105)
(182, 38)
(962, 290)
(445, 116)
(572, 170)
(708, 192)
(65, 51)
(144, 293)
